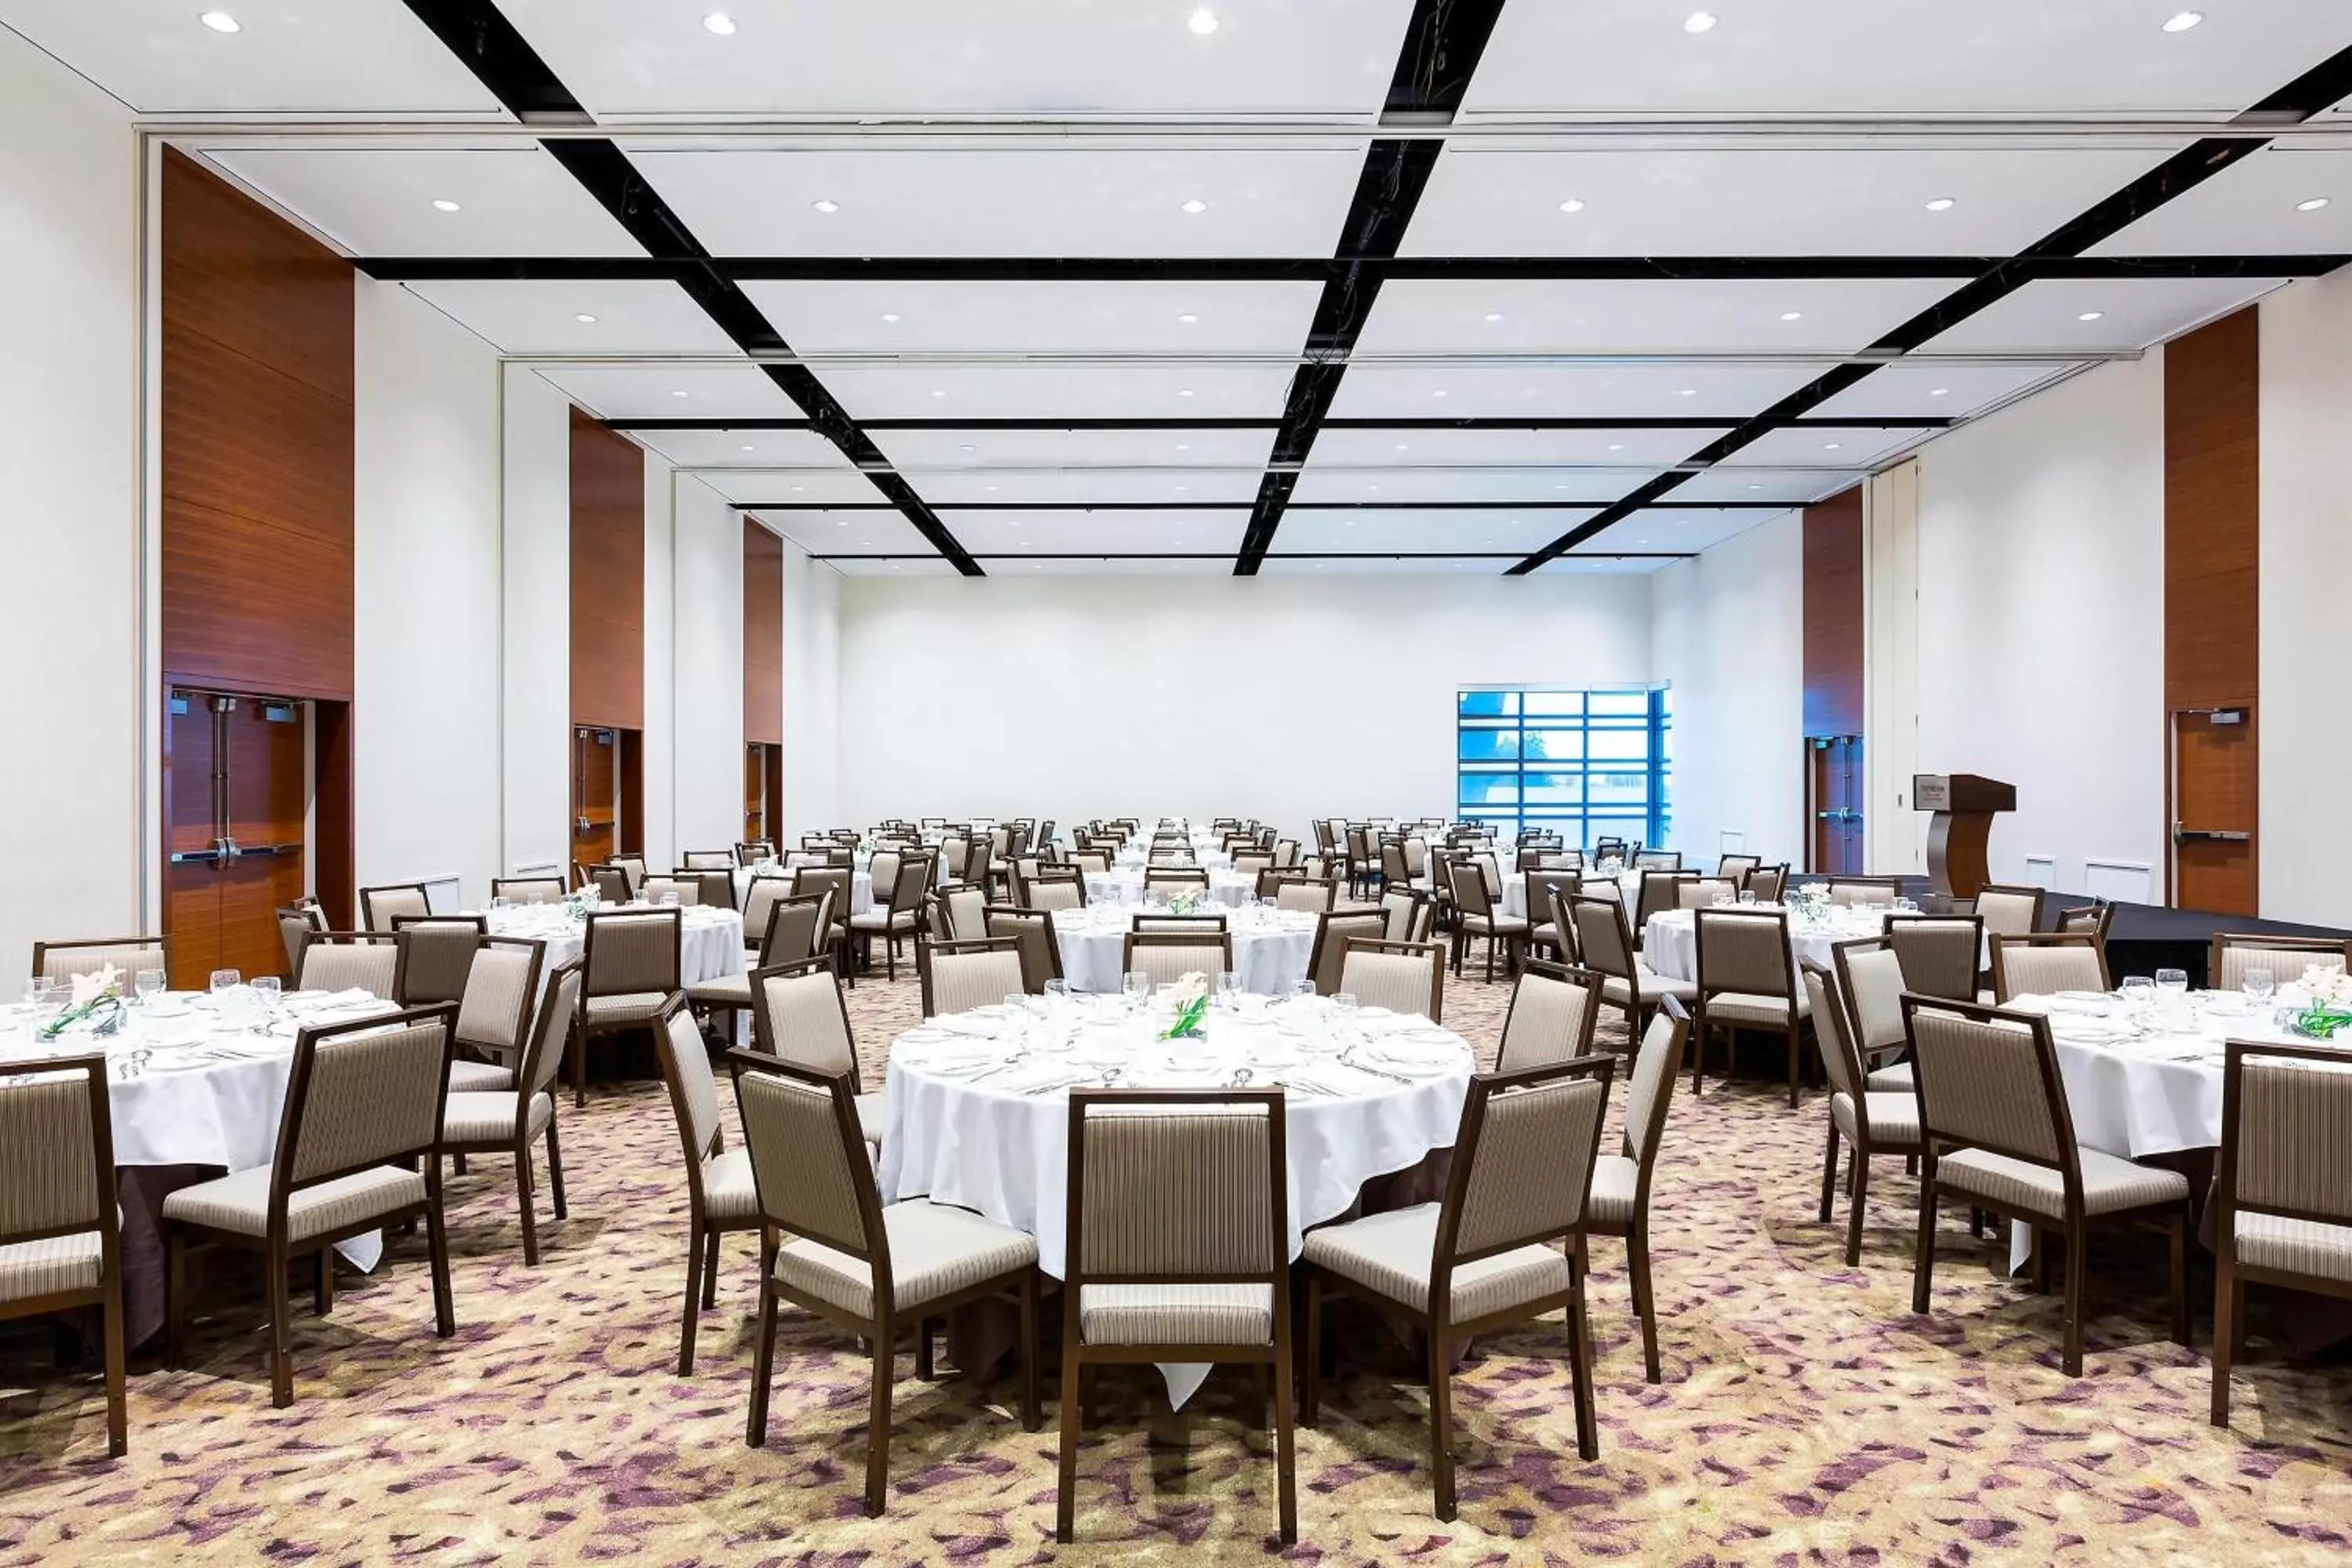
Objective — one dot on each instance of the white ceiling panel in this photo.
(632, 317)
(378, 201)
(1720, 484)
(1039, 317)
(1026, 58)
(1729, 392)
(1114, 565)
(1329, 484)
(1932, 391)
(2125, 313)
(858, 532)
(1075, 449)
(932, 565)
(1305, 530)
(652, 391)
(741, 448)
(1618, 446)
(1678, 529)
(2253, 207)
(1761, 201)
(1899, 57)
(1062, 201)
(1067, 486)
(1109, 532)
(1856, 445)
(793, 487)
(1058, 391)
(1834, 316)
(1583, 565)
(1438, 566)
(355, 57)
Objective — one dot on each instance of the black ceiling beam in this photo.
(2314, 92)
(1279, 555)
(502, 59)
(1244, 505)
(1890, 422)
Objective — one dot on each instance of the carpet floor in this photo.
(1806, 1415)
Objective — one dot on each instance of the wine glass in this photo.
(224, 980)
(1229, 990)
(1057, 990)
(1748, 896)
(147, 985)
(2258, 985)
(2172, 980)
(1137, 988)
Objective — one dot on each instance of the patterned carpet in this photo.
(1806, 1416)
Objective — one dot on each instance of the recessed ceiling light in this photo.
(2090, 315)
(220, 22)
(1756, 487)
(841, 522)
(1942, 205)
(825, 205)
(1181, 489)
(1493, 315)
(1195, 206)
(1184, 391)
(1350, 521)
(938, 392)
(1402, 447)
(2313, 206)
(1367, 486)
(443, 204)
(797, 489)
(1828, 446)
(720, 23)
(1687, 391)
(1437, 391)
(1183, 445)
(1188, 317)
(990, 488)
(966, 446)
(890, 315)
(1939, 392)
(1641, 542)
(1793, 315)
(2181, 21)
(750, 448)
(1699, 21)
(1616, 445)
(681, 392)
(1571, 205)
(584, 318)
(1203, 21)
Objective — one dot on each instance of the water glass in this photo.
(1748, 895)
(1343, 1002)
(267, 987)
(2258, 985)
(2172, 980)
(224, 980)
(2139, 989)
(1229, 990)
(1057, 990)
(147, 985)
(1137, 987)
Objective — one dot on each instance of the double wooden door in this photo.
(236, 838)
(1833, 789)
(763, 764)
(596, 795)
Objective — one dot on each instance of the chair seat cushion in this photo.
(2110, 1183)
(2264, 1241)
(1176, 1315)
(1894, 1117)
(240, 1203)
(1752, 1007)
(1495, 925)
(1655, 987)
(624, 1008)
(883, 920)
(1546, 935)
(51, 1266)
(491, 1117)
(727, 1190)
(871, 1117)
(1896, 1078)
(478, 1077)
(1616, 1179)
(726, 991)
(1390, 1255)
(935, 1252)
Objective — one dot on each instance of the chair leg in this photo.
(1860, 1199)
(1829, 1172)
(923, 1372)
(523, 1204)
(2229, 1313)
(1923, 1268)
(1700, 1030)
(1066, 1483)
(322, 1291)
(711, 1269)
(458, 1163)
(118, 1419)
(580, 1067)
(555, 1170)
(1645, 1301)
(1030, 1420)
(1441, 1423)
(281, 1313)
(693, 1296)
(436, 1242)
(877, 1428)
(1579, 1350)
(1311, 1397)
(2040, 1261)
(2180, 1279)
(2074, 1308)
(1285, 1455)
(1795, 1052)
(763, 1360)
(176, 1299)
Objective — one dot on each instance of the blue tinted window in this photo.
(1586, 763)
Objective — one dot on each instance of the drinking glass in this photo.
(2257, 983)
(147, 985)
(267, 987)
(223, 980)
(1747, 895)
(1057, 990)
(1137, 987)
(1724, 902)
(1229, 990)
(2174, 979)
(1343, 1002)
(2138, 988)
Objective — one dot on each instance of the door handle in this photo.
(2182, 835)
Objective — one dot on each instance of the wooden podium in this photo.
(1964, 804)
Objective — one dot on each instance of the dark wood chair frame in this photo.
(2000, 944)
(41, 950)
(928, 951)
(1040, 960)
(358, 939)
(1566, 974)
(549, 1032)
(589, 1031)
(107, 1294)
(367, 900)
(1635, 1231)
(2250, 941)
(1414, 949)
(703, 1228)
(1703, 1027)
(404, 924)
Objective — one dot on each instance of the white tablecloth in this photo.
(1670, 938)
(1271, 947)
(710, 940)
(861, 884)
(1125, 885)
(1515, 890)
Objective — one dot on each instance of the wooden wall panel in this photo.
(763, 635)
(256, 434)
(608, 577)
(1833, 601)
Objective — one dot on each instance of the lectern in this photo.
(1964, 804)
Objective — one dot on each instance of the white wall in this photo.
(1895, 835)
(1727, 631)
(708, 574)
(70, 828)
(536, 559)
(2307, 584)
(2041, 539)
(427, 598)
(813, 696)
(1270, 696)
(662, 837)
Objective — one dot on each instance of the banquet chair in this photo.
(720, 1193)
(1609, 848)
(357, 1150)
(2008, 911)
(1550, 1019)
(760, 897)
(354, 960)
(708, 861)
(2090, 920)
(882, 868)
(441, 950)
(1538, 889)
(1055, 888)
(1402, 976)
(963, 909)
(509, 1120)
(1206, 922)
(1606, 948)
(1297, 893)
(296, 921)
(1620, 1182)
(2286, 957)
(1734, 867)
(2041, 964)
(2283, 1209)
(1999, 1136)
(494, 1014)
(1746, 980)
(1657, 892)
(1475, 894)
(527, 889)
(1392, 866)
(808, 881)
(1768, 883)
(1166, 879)
(752, 852)
(1250, 862)
(1169, 956)
(1705, 893)
(1409, 911)
(60, 1229)
(1870, 987)
(1938, 953)
(1178, 1226)
(612, 884)
(1658, 859)
(788, 934)
(1863, 892)
(1416, 864)
(1875, 1121)
(714, 889)
(633, 961)
(1561, 925)
(1333, 933)
(632, 866)
(895, 921)
(686, 891)
(1041, 954)
(128, 955)
(870, 1270)
(1094, 860)
(1271, 879)
(958, 976)
(379, 905)
(1484, 1256)
(1285, 851)
(802, 1016)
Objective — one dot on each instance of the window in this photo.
(1587, 764)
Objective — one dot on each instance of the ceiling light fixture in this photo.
(750, 448)
(1195, 206)
(720, 23)
(1184, 391)
(220, 22)
(938, 392)
(1188, 317)
(1699, 21)
(584, 318)
(1687, 391)
(1942, 205)
(1203, 21)
(1493, 315)
(1183, 445)
(2090, 315)
(891, 316)
(797, 489)
(1402, 447)
(1793, 315)
(2181, 21)
(2313, 206)
(443, 204)
(1828, 446)
(1616, 445)
(1939, 392)
(966, 446)
(825, 205)
(1571, 205)
(680, 393)
(1437, 391)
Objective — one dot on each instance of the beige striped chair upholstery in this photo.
(760, 897)
(1606, 946)
(1402, 976)
(1870, 991)
(440, 960)
(1768, 883)
(379, 907)
(1620, 1182)
(1408, 914)
(631, 972)
(958, 976)
(128, 955)
(1705, 892)
(296, 924)
(508, 1120)
(1938, 953)
(1748, 980)
(1169, 956)
(2282, 1209)
(966, 907)
(685, 891)
(1306, 898)
(708, 861)
(353, 962)
(494, 1019)
(1882, 1122)
(60, 1249)
(1477, 886)
(1551, 1017)
(1054, 893)
(2010, 911)
(2040, 965)
(527, 889)
(718, 1188)
(2234, 953)
(1041, 952)
(801, 1018)
(633, 866)
(1333, 933)
(1999, 1136)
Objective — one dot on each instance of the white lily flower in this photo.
(96, 983)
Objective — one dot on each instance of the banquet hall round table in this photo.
(1670, 937)
(1271, 947)
(861, 881)
(1601, 885)
(1125, 885)
(711, 940)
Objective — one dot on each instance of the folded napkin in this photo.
(1038, 1077)
(332, 1001)
(965, 1024)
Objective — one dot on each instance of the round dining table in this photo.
(1271, 947)
(711, 940)
(861, 881)
(1124, 885)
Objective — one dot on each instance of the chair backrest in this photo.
(1307, 898)
(128, 955)
(296, 921)
(752, 851)
(1651, 1089)
(959, 976)
(1170, 1187)
(348, 959)
(1658, 859)
(714, 887)
(1705, 893)
(501, 985)
(1409, 911)
(2286, 957)
(1768, 883)
(882, 870)
(1472, 892)
(798, 1016)
(1167, 956)
(965, 905)
(612, 884)
(1522, 1163)
(1041, 953)
(1094, 860)
(1180, 925)
(379, 905)
(1839, 1059)
(1661, 891)
(708, 861)
(1989, 1078)
(2009, 911)
(527, 889)
(559, 1012)
(2051, 962)
(2090, 920)
(693, 1091)
(1541, 885)
(1863, 892)
(1174, 876)
(1564, 922)
(796, 928)
(631, 952)
(361, 1094)
(1870, 985)
(56, 1153)
(685, 891)
(1938, 953)
(1402, 976)
(1745, 951)
(1736, 866)
(634, 868)
(760, 897)
(808, 881)
(1602, 941)
(2285, 1112)
(1058, 888)
(1333, 931)
(441, 950)
(1285, 851)
(809, 1162)
(1551, 1016)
